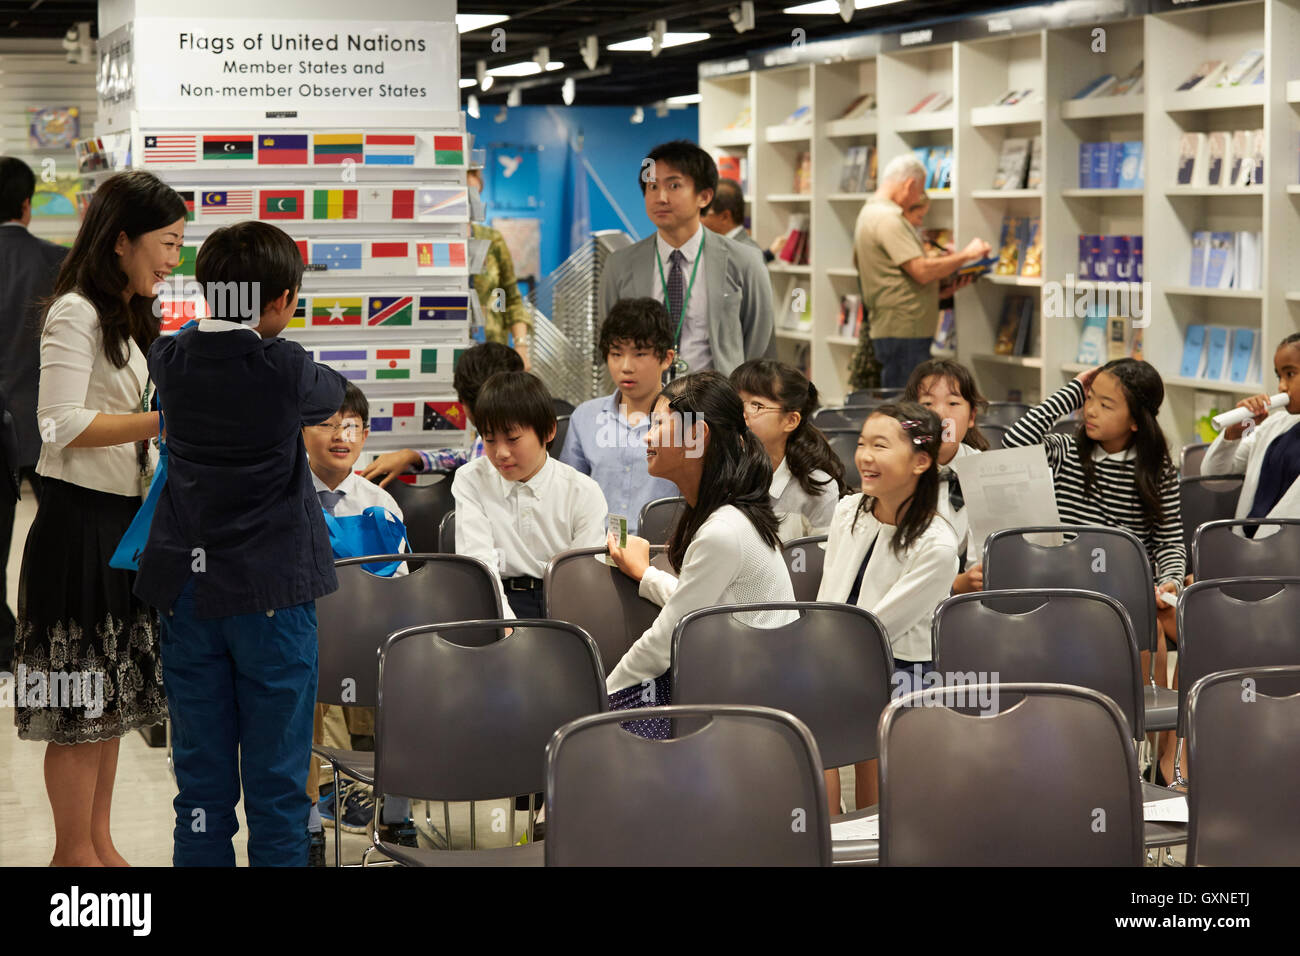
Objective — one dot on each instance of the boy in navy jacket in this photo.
(238, 552)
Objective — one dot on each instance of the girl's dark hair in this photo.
(924, 429)
(1144, 391)
(959, 377)
(1292, 339)
(134, 203)
(737, 470)
(806, 448)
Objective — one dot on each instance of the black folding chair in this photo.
(1218, 551)
(423, 508)
(1205, 498)
(805, 558)
(658, 518)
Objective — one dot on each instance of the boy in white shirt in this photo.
(516, 507)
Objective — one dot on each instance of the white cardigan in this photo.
(1225, 457)
(77, 383)
(902, 591)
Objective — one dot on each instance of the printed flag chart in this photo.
(398, 362)
(397, 416)
(441, 312)
(366, 257)
(241, 149)
(379, 202)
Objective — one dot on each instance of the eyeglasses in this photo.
(351, 428)
(758, 408)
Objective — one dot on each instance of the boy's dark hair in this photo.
(728, 198)
(959, 379)
(642, 321)
(354, 403)
(688, 159)
(514, 399)
(17, 184)
(248, 252)
(478, 365)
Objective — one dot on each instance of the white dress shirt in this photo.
(77, 383)
(960, 520)
(726, 563)
(516, 527)
(358, 495)
(735, 233)
(901, 590)
(800, 513)
(1246, 455)
(695, 349)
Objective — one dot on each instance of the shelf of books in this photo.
(1062, 152)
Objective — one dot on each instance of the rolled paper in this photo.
(1237, 415)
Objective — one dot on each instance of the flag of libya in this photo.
(281, 204)
(228, 147)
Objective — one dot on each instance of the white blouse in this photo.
(726, 563)
(800, 513)
(77, 383)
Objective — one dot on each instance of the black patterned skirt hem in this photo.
(635, 698)
(86, 657)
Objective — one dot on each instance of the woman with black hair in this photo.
(724, 549)
(807, 475)
(79, 624)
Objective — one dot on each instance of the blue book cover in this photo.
(1220, 261)
(1200, 250)
(1086, 178)
(1115, 250)
(1100, 165)
(1135, 246)
(1101, 268)
(1130, 166)
(1093, 85)
(1116, 157)
(1092, 340)
(1193, 352)
(1216, 352)
(1085, 260)
(1243, 348)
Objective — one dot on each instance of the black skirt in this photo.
(86, 656)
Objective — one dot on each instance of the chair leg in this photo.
(473, 835)
(446, 820)
(1178, 780)
(512, 821)
(338, 818)
(531, 818)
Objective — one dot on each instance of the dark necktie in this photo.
(676, 285)
(329, 500)
(954, 491)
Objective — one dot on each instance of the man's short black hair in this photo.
(17, 184)
(642, 321)
(248, 252)
(514, 400)
(478, 365)
(354, 403)
(728, 198)
(688, 159)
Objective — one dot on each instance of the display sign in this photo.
(195, 64)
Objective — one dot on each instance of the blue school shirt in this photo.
(602, 444)
(238, 485)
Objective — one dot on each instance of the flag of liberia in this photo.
(170, 148)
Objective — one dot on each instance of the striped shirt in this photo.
(1113, 501)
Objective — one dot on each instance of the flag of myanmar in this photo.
(327, 310)
(336, 147)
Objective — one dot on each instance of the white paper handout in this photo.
(867, 828)
(1172, 810)
(1008, 488)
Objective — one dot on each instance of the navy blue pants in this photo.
(897, 358)
(241, 692)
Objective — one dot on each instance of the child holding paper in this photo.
(889, 552)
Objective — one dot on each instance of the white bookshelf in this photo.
(1055, 62)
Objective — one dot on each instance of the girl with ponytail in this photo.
(807, 476)
(724, 549)
(890, 553)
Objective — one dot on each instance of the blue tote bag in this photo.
(129, 549)
(374, 531)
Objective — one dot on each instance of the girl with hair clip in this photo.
(724, 549)
(807, 476)
(948, 389)
(887, 553)
(1115, 471)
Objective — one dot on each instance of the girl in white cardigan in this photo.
(890, 553)
(724, 548)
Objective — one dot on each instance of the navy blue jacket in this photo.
(237, 484)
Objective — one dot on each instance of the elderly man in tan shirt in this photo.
(900, 284)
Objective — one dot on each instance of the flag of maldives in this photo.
(281, 204)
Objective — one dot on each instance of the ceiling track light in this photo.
(657, 32)
(638, 115)
(514, 97)
(846, 9)
(471, 106)
(742, 17)
(568, 90)
(590, 50)
(501, 115)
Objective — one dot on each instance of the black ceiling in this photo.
(632, 78)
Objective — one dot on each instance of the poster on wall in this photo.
(57, 198)
(513, 176)
(53, 127)
(524, 240)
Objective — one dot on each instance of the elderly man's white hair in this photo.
(904, 167)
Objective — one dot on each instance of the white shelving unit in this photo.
(1056, 62)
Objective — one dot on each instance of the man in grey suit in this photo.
(726, 215)
(717, 291)
(28, 266)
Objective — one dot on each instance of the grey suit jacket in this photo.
(740, 295)
(28, 266)
(744, 238)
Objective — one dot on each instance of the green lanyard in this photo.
(699, 254)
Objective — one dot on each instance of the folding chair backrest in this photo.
(447, 533)
(1232, 623)
(422, 509)
(962, 790)
(556, 444)
(1005, 414)
(1071, 637)
(353, 621)
(1244, 749)
(805, 558)
(1066, 426)
(1205, 498)
(1219, 550)
(1189, 460)
(844, 442)
(1107, 560)
(994, 432)
(874, 396)
(658, 518)
(851, 416)
(745, 789)
(831, 668)
(582, 589)
(562, 407)
(471, 723)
